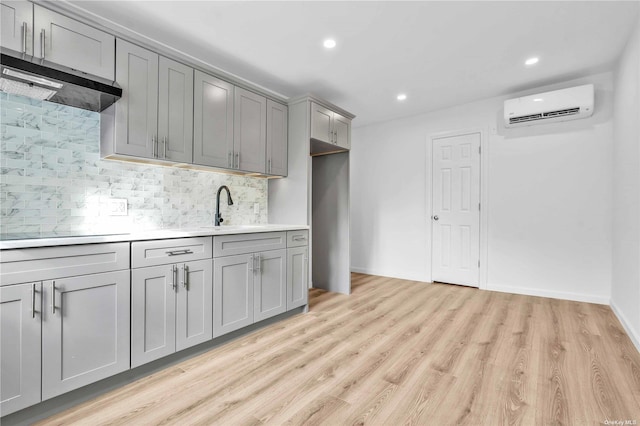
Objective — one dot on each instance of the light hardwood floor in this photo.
(399, 352)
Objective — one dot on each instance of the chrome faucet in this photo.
(219, 219)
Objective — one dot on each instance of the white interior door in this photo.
(456, 209)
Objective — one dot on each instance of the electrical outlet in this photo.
(117, 207)
(256, 208)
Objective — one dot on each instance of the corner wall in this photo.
(625, 292)
(549, 197)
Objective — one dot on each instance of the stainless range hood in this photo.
(44, 80)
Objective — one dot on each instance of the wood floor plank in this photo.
(397, 352)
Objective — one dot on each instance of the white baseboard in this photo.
(631, 332)
(578, 297)
(390, 274)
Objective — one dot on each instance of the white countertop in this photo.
(145, 235)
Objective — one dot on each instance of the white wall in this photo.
(548, 192)
(625, 294)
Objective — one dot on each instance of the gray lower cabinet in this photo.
(213, 122)
(85, 330)
(20, 350)
(270, 290)
(297, 276)
(277, 123)
(153, 313)
(16, 32)
(194, 310)
(171, 309)
(72, 43)
(233, 294)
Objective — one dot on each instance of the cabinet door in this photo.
(73, 44)
(276, 138)
(212, 122)
(250, 130)
(321, 120)
(20, 319)
(194, 312)
(270, 289)
(232, 293)
(16, 33)
(342, 129)
(153, 313)
(175, 111)
(297, 277)
(85, 330)
(137, 110)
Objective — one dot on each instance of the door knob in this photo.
(436, 217)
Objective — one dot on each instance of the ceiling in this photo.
(440, 53)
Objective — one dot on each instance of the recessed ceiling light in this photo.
(531, 61)
(329, 43)
(538, 100)
(401, 97)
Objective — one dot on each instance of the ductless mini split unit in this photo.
(560, 105)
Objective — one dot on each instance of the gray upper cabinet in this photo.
(330, 127)
(153, 305)
(194, 308)
(68, 42)
(249, 131)
(136, 122)
(321, 123)
(213, 122)
(20, 352)
(154, 117)
(175, 110)
(16, 30)
(232, 293)
(85, 330)
(270, 290)
(277, 118)
(297, 276)
(342, 131)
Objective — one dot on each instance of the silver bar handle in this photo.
(53, 297)
(24, 37)
(237, 160)
(164, 144)
(269, 169)
(259, 265)
(185, 277)
(153, 146)
(33, 300)
(43, 38)
(174, 277)
(178, 252)
(299, 238)
(251, 263)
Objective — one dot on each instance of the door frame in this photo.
(484, 197)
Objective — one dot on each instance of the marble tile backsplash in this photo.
(52, 179)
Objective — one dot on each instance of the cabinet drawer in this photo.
(162, 252)
(230, 245)
(297, 238)
(46, 263)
